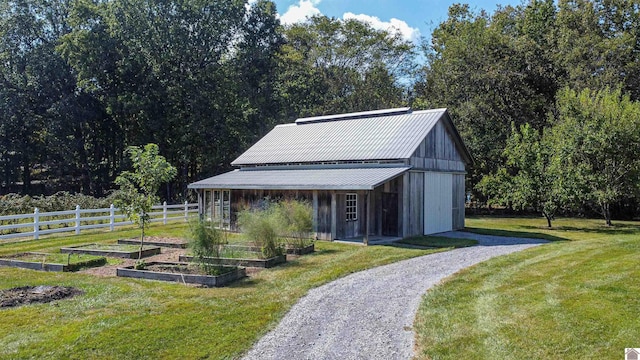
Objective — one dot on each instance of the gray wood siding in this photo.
(437, 152)
(458, 201)
(323, 216)
(416, 204)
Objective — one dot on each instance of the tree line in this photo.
(84, 79)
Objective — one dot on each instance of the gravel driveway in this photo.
(369, 314)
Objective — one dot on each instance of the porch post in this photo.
(334, 216)
(367, 218)
(315, 213)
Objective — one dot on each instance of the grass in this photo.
(437, 242)
(56, 258)
(115, 247)
(140, 319)
(575, 298)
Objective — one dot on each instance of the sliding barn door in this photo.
(438, 200)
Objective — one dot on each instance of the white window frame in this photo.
(351, 207)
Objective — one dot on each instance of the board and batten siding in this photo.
(458, 201)
(415, 217)
(437, 151)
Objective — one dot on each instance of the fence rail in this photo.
(74, 221)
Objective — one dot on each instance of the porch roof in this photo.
(302, 179)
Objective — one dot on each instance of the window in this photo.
(352, 207)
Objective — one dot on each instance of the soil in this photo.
(177, 269)
(164, 240)
(167, 255)
(35, 294)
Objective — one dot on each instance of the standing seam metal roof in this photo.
(386, 137)
(302, 179)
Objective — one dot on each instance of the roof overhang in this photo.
(302, 179)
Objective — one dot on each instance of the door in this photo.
(438, 202)
(389, 214)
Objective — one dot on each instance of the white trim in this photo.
(351, 206)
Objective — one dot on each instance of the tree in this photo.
(491, 71)
(596, 138)
(528, 179)
(139, 188)
(331, 66)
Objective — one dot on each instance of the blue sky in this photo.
(413, 18)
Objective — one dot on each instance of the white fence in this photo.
(83, 219)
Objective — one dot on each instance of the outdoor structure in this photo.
(386, 173)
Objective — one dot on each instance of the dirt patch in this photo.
(35, 294)
(167, 255)
(165, 240)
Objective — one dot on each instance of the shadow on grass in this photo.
(615, 229)
(515, 234)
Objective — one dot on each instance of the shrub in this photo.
(296, 221)
(205, 242)
(261, 226)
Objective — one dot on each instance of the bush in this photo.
(261, 226)
(205, 242)
(296, 221)
(12, 204)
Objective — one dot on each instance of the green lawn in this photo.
(137, 319)
(577, 298)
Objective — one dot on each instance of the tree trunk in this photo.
(141, 238)
(548, 217)
(606, 213)
(26, 175)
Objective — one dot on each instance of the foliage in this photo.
(138, 189)
(11, 204)
(261, 227)
(494, 70)
(331, 66)
(205, 242)
(140, 264)
(528, 179)
(596, 139)
(296, 221)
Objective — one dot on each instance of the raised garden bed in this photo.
(289, 249)
(182, 273)
(162, 242)
(257, 263)
(112, 250)
(52, 262)
(301, 250)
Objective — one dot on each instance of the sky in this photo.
(413, 18)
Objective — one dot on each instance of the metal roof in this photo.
(302, 179)
(391, 135)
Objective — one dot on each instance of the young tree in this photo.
(139, 188)
(596, 138)
(528, 180)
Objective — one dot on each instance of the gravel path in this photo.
(369, 314)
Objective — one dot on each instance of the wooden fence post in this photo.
(36, 223)
(164, 213)
(186, 211)
(112, 217)
(77, 219)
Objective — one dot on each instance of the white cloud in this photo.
(308, 8)
(408, 33)
(299, 13)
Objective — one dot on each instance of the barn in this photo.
(370, 176)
